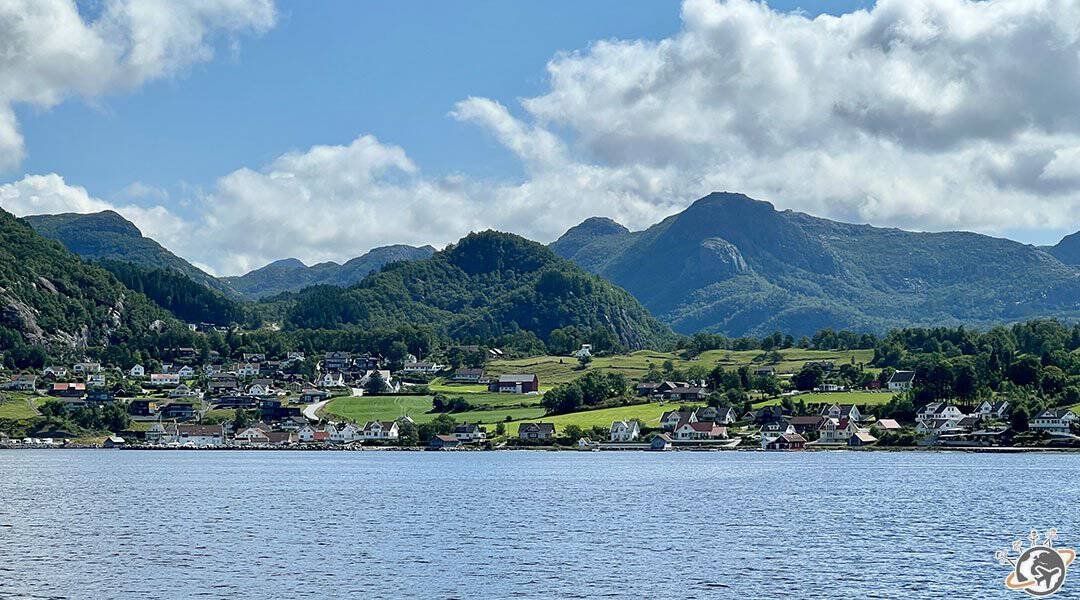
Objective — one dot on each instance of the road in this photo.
(311, 410)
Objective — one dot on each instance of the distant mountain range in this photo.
(108, 236)
(735, 265)
(290, 275)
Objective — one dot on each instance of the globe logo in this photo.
(1040, 569)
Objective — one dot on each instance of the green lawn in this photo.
(385, 408)
(648, 414)
(561, 369)
(859, 398)
(18, 406)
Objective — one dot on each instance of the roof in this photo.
(517, 378)
(468, 372)
(198, 429)
(902, 377)
(704, 426)
(446, 438)
(538, 427)
(864, 436)
(888, 424)
(791, 438)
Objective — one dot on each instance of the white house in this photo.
(380, 430)
(86, 367)
(993, 410)
(842, 411)
(55, 371)
(306, 433)
(201, 436)
(699, 430)
(671, 419)
(164, 379)
(346, 433)
(261, 387)
(422, 367)
(584, 351)
(332, 379)
(185, 371)
(469, 433)
(936, 411)
(95, 379)
(251, 436)
(1054, 420)
(901, 381)
(625, 431)
(183, 391)
(836, 431)
(247, 370)
(137, 371)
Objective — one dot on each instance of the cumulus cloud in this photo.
(925, 114)
(49, 51)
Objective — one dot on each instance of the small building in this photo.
(625, 431)
(536, 432)
(901, 381)
(661, 442)
(422, 367)
(443, 441)
(585, 351)
(467, 376)
(516, 384)
(862, 438)
(888, 425)
(469, 433)
(787, 441)
(114, 441)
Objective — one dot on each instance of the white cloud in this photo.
(50, 52)
(925, 114)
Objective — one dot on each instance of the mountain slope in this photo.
(108, 236)
(290, 274)
(177, 293)
(486, 285)
(48, 297)
(733, 264)
(1067, 250)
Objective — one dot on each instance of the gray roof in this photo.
(517, 378)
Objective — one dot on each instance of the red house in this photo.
(515, 384)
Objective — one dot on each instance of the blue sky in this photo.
(246, 131)
(329, 71)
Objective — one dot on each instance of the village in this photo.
(279, 402)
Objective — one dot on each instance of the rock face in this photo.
(736, 265)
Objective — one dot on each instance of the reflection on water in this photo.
(126, 524)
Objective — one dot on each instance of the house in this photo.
(516, 384)
(938, 411)
(688, 392)
(585, 351)
(179, 410)
(332, 379)
(765, 372)
(625, 431)
(422, 367)
(469, 432)
(336, 361)
(306, 433)
(937, 426)
(774, 429)
(170, 380)
(862, 438)
(901, 381)
(706, 413)
(443, 441)
(57, 372)
(804, 424)
(254, 357)
(380, 430)
(311, 396)
(836, 431)
(281, 438)
(344, 434)
(99, 398)
(660, 442)
(247, 370)
(536, 432)
(22, 383)
(993, 410)
(726, 417)
(252, 436)
(185, 372)
(1054, 421)
(842, 411)
(888, 425)
(646, 388)
(200, 435)
(114, 441)
(138, 372)
(699, 430)
(384, 374)
(142, 408)
(96, 380)
(234, 401)
(183, 391)
(770, 414)
(672, 418)
(84, 368)
(68, 390)
(787, 441)
(223, 385)
(261, 387)
(467, 376)
(293, 423)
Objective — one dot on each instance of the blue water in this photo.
(127, 524)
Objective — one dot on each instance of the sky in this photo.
(237, 132)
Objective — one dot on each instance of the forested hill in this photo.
(489, 284)
(175, 292)
(50, 298)
(289, 275)
(108, 236)
(1067, 250)
(735, 265)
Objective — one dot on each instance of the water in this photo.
(127, 524)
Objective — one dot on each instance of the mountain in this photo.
(1067, 250)
(50, 298)
(488, 284)
(108, 236)
(735, 265)
(177, 293)
(289, 275)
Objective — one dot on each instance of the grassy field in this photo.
(561, 369)
(386, 408)
(18, 406)
(647, 414)
(859, 398)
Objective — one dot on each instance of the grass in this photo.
(18, 406)
(648, 414)
(859, 398)
(561, 369)
(385, 408)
